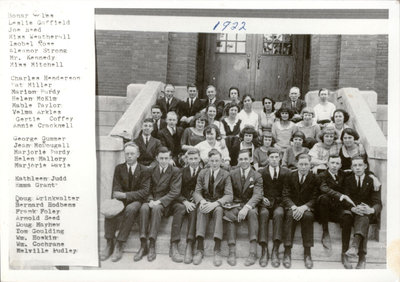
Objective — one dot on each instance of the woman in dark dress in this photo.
(231, 125)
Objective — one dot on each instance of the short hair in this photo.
(269, 135)
(193, 151)
(303, 156)
(323, 89)
(273, 151)
(191, 85)
(132, 144)
(232, 105)
(298, 134)
(169, 84)
(209, 86)
(349, 131)
(334, 157)
(268, 98)
(327, 130)
(172, 113)
(307, 110)
(346, 115)
(209, 129)
(163, 150)
(248, 129)
(233, 88)
(155, 106)
(214, 152)
(358, 157)
(247, 95)
(242, 151)
(199, 116)
(148, 120)
(294, 87)
(284, 110)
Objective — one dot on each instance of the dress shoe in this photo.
(352, 252)
(141, 253)
(361, 263)
(188, 254)
(345, 262)
(174, 254)
(251, 259)
(217, 258)
(308, 262)
(326, 240)
(117, 254)
(264, 257)
(287, 260)
(232, 256)
(152, 253)
(275, 261)
(198, 257)
(108, 250)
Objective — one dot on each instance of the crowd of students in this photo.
(207, 159)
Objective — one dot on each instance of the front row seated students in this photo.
(360, 188)
(131, 186)
(148, 145)
(299, 194)
(189, 181)
(271, 206)
(247, 191)
(213, 190)
(165, 187)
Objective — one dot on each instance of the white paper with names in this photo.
(52, 176)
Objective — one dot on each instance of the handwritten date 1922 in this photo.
(229, 25)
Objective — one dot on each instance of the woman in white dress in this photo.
(247, 115)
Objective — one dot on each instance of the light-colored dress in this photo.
(204, 147)
(248, 119)
(311, 131)
(266, 121)
(282, 134)
(320, 153)
(324, 112)
(289, 157)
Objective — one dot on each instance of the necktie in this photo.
(146, 142)
(191, 103)
(193, 172)
(172, 131)
(293, 105)
(243, 178)
(210, 101)
(302, 179)
(275, 173)
(211, 185)
(359, 182)
(130, 178)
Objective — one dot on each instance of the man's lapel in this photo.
(207, 179)
(247, 182)
(218, 178)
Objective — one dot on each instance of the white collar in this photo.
(272, 170)
(161, 169)
(301, 175)
(246, 172)
(212, 100)
(132, 166)
(193, 170)
(361, 177)
(215, 172)
(334, 176)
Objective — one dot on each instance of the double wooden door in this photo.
(258, 64)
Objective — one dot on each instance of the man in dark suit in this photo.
(171, 136)
(271, 207)
(158, 122)
(131, 186)
(189, 108)
(299, 195)
(165, 187)
(295, 103)
(330, 204)
(168, 103)
(211, 93)
(148, 145)
(189, 180)
(360, 188)
(247, 191)
(213, 190)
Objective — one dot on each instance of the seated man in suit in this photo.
(189, 180)
(170, 136)
(299, 194)
(295, 103)
(131, 186)
(247, 191)
(271, 206)
(191, 106)
(148, 145)
(211, 93)
(168, 103)
(360, 188)
(213, 190)
(165, 187)
(158, 122)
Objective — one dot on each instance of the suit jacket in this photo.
(174, 106)
(165, 187)
(188, 184)
(147, 153)
(222, 187)
(365, 195)
(140, 185)
(273, 188)
(185, 110)
(331, 187)
(298, 194)
(220, 107)
(251, 192)
(171, 142)
(300, 104)
(155, 131)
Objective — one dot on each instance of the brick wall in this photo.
(381, 74)
(125, 57)
(182, 53)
